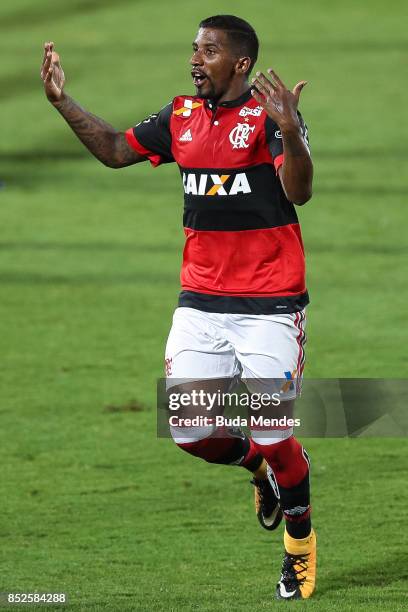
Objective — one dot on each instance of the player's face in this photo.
(213, 63)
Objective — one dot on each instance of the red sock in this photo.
(235, 450)
(287, 460)
(290, 465)
(211, 449)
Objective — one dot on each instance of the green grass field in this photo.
(93, 503)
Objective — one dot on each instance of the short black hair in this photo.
(242, 35)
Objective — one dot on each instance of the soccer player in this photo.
(243, 154)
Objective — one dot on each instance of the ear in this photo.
(243, 65)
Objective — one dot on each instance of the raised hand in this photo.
(279, 103)
(52, 73)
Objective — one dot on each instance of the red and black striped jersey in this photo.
(243, 251)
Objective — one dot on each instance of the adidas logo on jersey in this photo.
(186, 137)
(200, 184)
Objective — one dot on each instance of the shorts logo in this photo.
(167, 365)
(290, 377)
(187, 109)
(239, 135)
(252, 112)
(197, 184)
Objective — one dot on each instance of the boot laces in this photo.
(294, 570)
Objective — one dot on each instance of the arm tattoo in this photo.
(101, 139)
(125, 155)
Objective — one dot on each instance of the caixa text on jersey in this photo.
(215, 184)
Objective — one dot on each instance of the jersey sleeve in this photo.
(274, 140)
(152, 137)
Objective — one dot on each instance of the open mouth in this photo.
(198, 77)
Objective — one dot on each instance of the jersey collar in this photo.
(245, 97)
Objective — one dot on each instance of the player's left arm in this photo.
(296, 171)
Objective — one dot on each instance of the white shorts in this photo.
(203, 345)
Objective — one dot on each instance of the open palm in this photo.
(52, 73)
(278, 101)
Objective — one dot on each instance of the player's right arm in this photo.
(101, 139)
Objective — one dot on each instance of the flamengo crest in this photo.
(240, 134)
